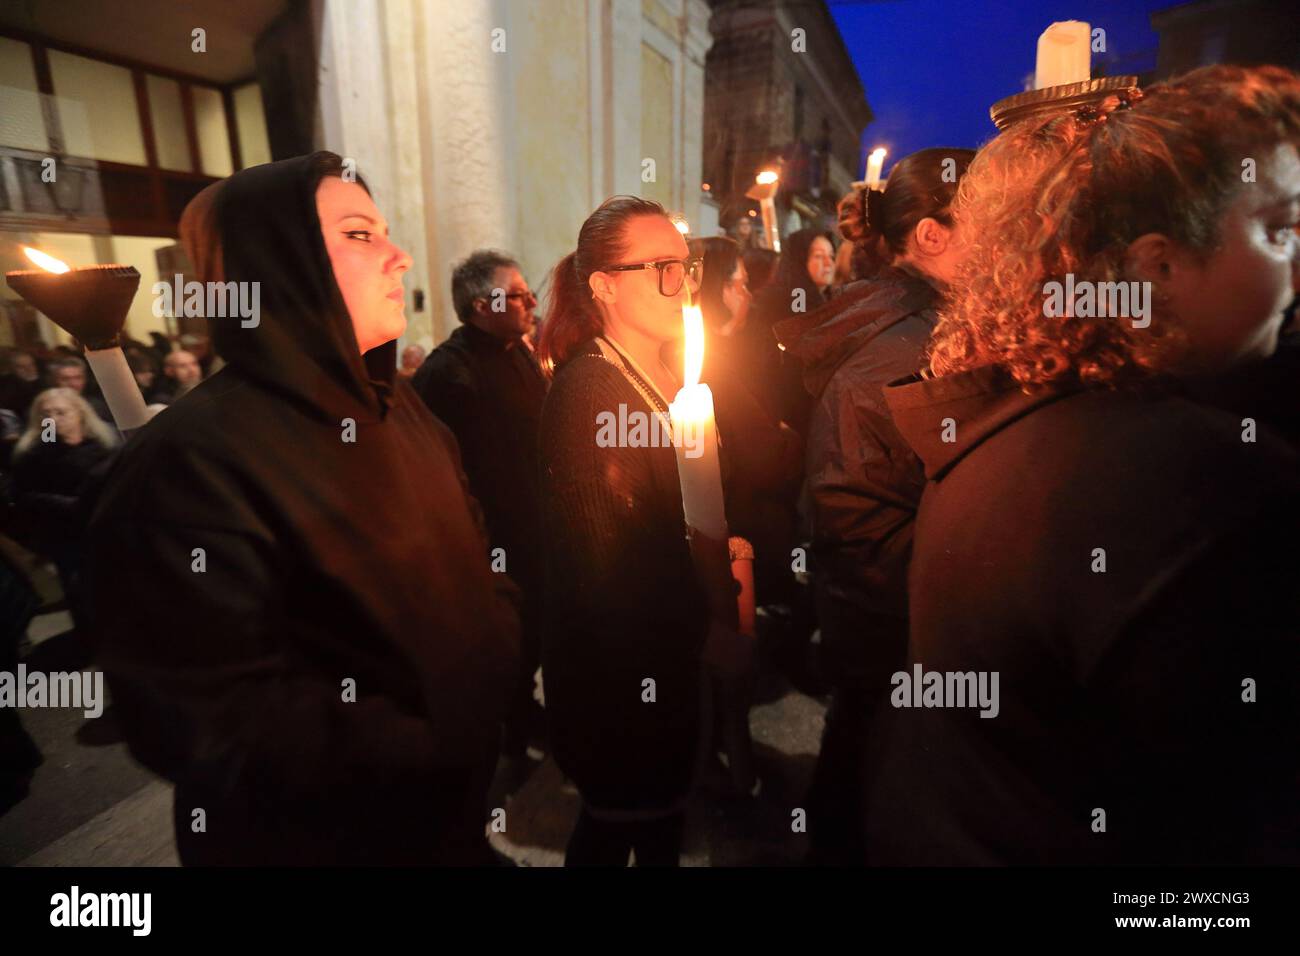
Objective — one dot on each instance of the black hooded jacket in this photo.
(1124, 562)
(863, 482)
(293, 598)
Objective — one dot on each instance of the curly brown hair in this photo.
(1069, 193)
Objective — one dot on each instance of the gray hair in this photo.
(92, 424)
(473, 278)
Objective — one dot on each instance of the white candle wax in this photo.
(695, 437)
(1064, 54)
(875, 163)
(121, 393)
(695, 441)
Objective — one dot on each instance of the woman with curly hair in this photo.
(1103, 652)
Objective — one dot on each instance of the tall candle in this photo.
(1064, 54)
(90, 303)
(695, 438)
(875, 163)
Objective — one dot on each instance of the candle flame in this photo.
(48, 263)
(878, 153)
(765, 177)
(693, 364)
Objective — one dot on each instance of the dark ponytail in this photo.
(572, 316)
(879, 222)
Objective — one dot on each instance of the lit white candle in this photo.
(109, 365)
(875, 163)
(1064, 54)
(695, 438)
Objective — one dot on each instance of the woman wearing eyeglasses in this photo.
(626, 622)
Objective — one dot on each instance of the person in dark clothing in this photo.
(862, 480)
(325, 676)
(56, 466)
(486, 386)
(20, 382)
(798, 286)
(1104, 616)
(761, 480)
(181, 373)
(764, 466)
(69, 371)
(19, 755)
(628, 628)
(760, 265)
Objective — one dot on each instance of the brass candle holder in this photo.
(1051, 100)
(90, 304)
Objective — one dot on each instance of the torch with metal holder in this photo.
(90, 304)
(763, 191)
(1061, 78)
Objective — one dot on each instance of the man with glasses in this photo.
(486, 385)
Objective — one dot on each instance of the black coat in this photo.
(252, 565)
(791, 295)
(491, 397)
(50, 481)
(863, 482)
(1121, 689)
(623, 604)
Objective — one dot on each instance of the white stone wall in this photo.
(465, 146)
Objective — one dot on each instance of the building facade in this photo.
(497, 123)
(781, 92)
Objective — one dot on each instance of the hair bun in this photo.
(855, 215)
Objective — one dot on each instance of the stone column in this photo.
(468, 140)
(696, 40)
(369, 113)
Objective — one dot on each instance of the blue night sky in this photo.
(932, 68)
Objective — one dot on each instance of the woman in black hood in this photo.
(290, 581)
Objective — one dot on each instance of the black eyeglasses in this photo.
(672, 272)
(524, 297)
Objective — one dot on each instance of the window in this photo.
(97, 109)
(168, 118)
(254, 149)
(214, 137)
(21, 125)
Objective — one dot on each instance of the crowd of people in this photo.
(331, 590)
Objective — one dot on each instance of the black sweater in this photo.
(623, 603)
